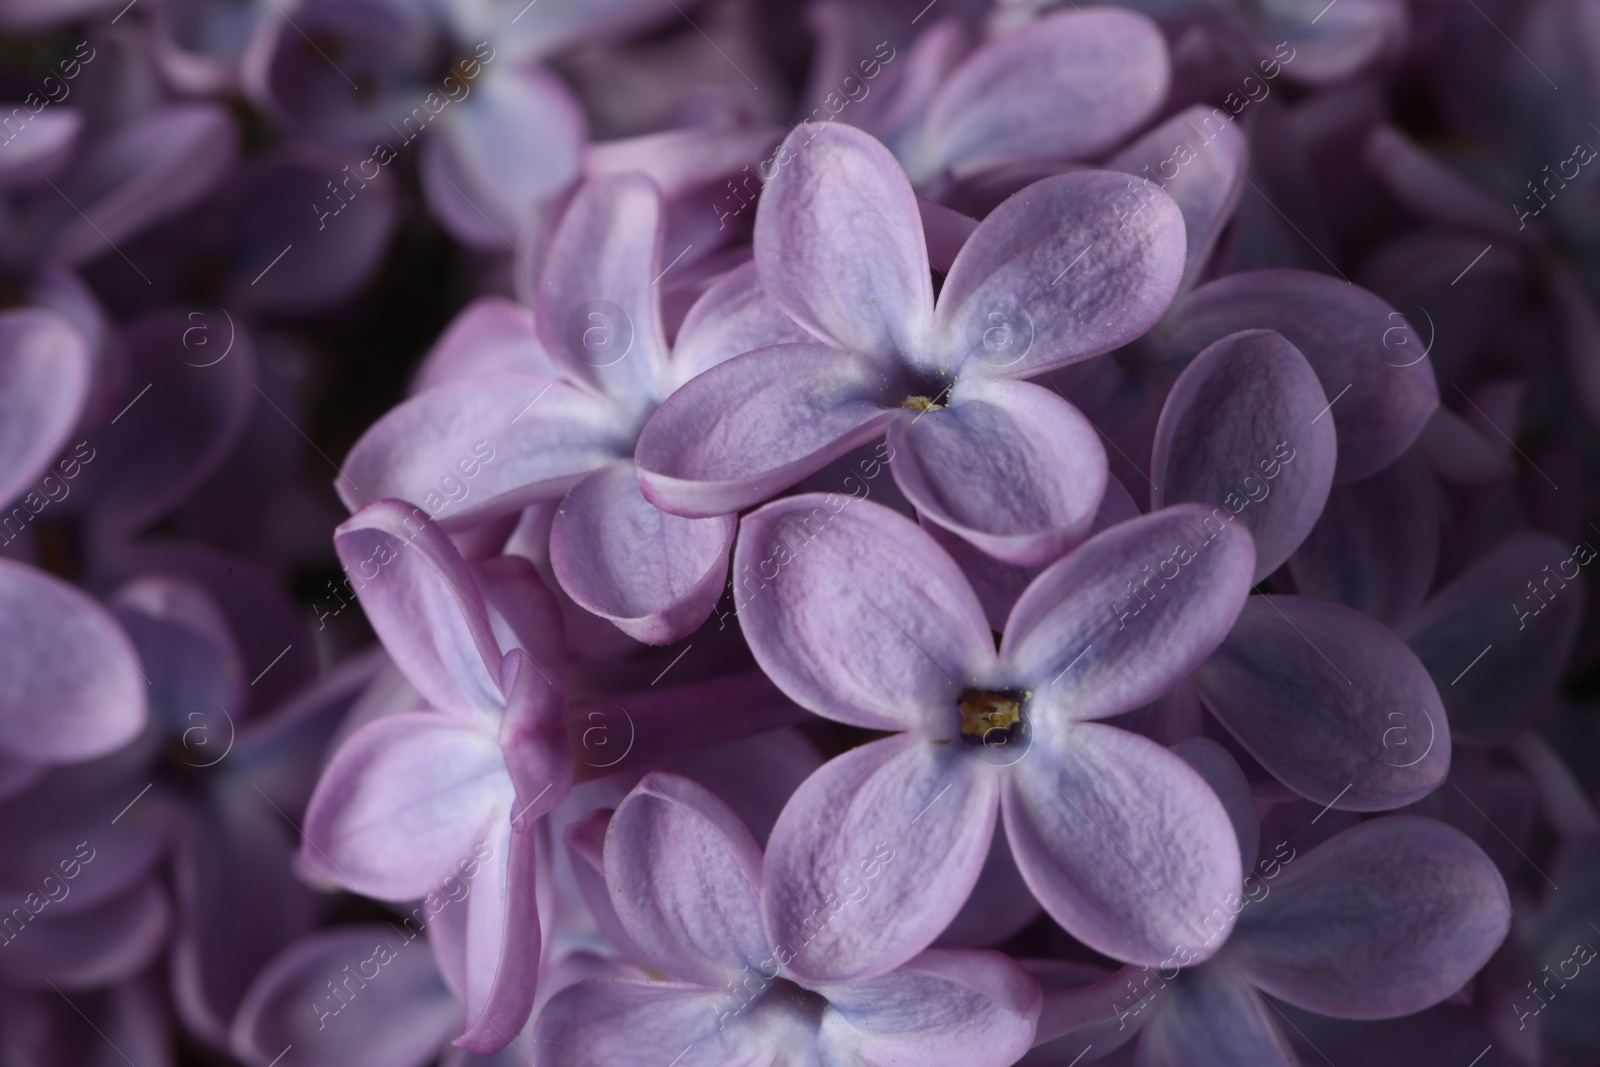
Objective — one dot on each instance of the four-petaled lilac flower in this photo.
(1054, 275)
(687, 883)
(859, 616)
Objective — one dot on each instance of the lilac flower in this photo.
(1002, 463)
(558, 404)
(1385, 919)
(687, 882)
(407, 796)
(860, 617)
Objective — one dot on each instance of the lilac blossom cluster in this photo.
(877, 532)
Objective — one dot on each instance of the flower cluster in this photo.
(958, 534)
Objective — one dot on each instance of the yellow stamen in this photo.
(921, 403)
(982, 712)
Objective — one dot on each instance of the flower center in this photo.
(990, 718)
(921, 403)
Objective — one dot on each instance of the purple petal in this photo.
(74, 689)
(357, 996)
(1008, 466)
(502, 942)
(1226, 779)
(734, 316)
(422, 600)
(491, 335)
(1001, 904)
(90, 947)
(43, 146)
(839, 245)
(624, 1023)
(401, 801)
(599, 313)
(1069, 86)
(857, 614)
(1497, 638)
(44, 383)
(749, 428)
(1208, 157)
(1246, 408)
(656, 575)
(1147, 629)
(1385, 919)
(874, 855)
(945, 1008)
(1353, 340)
(482, 448)
(1212, 1018)
(1068, 268)
(685, 879)
(515, 142)
(1330, 702)
(1123, 843)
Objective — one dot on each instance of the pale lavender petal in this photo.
(1129, 613)
(74, 689)
(599, 313)
(945, 1008)
(624, 1023)
(654, 574)
(356, 996)
(41, 147)
(1226, 779)
(1353, 340)
(1071, 267)
(402, 800)
(1385, 919)
(421, 598)
(1068, 86)
(1244, 427)
(734, 316)
(946, 232)
(502, 942)
(749, 428)
(874, 855)
(1001, 904)
(839, 245)
(1212, 1018)
(685, 878)
(1330, 702)
(1123, 843)
(491, 335)
(857, 614)
(44, 383)
(1009, 466)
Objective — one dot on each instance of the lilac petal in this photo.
(599, 314)
(526, 438)
(491, 335)
(1330, 702)
(874, 855)
(1385, 919)
(623, 1023)
(44, 383)
(945, 1008)
(1009, 466)
(1434, 190)
(1239, 415)
(502, 942)
(1226, 779)
(685, 879)
(1209, 157)
(1460, 454)
(402, 801)
(756, 776)
(422, 600)
(1496, 639)
(42, 148)
(1212, 1018)
(1376, 547)
(533, 738)
(150, 169)
(74, 689)
(127, 1023)
(1070, 267)
(734, 316)
(169, 442)
(1124, 844)
(946, 232)
(857, 614)
(514, 143)
(522, 612)
(1381, 402)
(654, 574)
(1124, 631)
(749, 428)
(90, 947)
(1001, 904)
(17, 776)
(355, 996)
(234, 857)
(839, 245)
(1069, 86)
